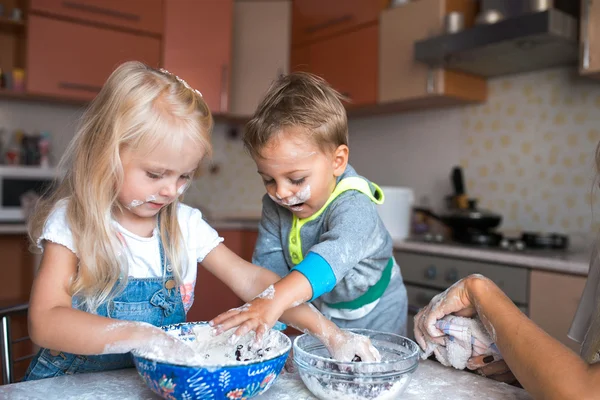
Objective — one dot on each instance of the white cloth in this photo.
(143, 254)
(465, 338)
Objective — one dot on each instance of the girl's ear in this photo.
(340, 159)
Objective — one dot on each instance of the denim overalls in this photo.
(153, 300)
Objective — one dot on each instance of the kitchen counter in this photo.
(13, 229)
(430, 381)
(574, 262)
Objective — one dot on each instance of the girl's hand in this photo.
(259, 316)
(348, 346)
(148, 340)
(455, 300)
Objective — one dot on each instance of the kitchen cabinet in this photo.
(138, 15)
(590, 38)
(211, 296)
(17, 270)
(553, 301)
(261, 50)
(338, 41)
(316, 19)
(403, 80)
(67, 59)
(197, 47)
(349, 63)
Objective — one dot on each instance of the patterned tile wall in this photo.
(528, 153)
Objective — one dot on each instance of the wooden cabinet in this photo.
(197, 47)
(553, 301)
(348, 62)
(73, 60)
(590, 38)
(338, 41)
(401, 78)
(139, 15)
(261, 50)
(315, 19)
(212, 297)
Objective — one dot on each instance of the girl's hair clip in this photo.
(184, 83)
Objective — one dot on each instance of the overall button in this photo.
(170, 284)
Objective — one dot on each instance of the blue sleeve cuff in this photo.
(318, 272)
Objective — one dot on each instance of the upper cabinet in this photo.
(404, 80)
(72, 47)
(261, 50)
(315, 19)
(338, 40)
(197, 47)
(139, 15)
(590, 38)
(348, 62)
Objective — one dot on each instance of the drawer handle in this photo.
(328, 23)
(223, 96)
(101, 10)
(79, 86)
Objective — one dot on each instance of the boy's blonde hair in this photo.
(141, 109)
(299, 100)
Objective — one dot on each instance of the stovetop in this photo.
(513, 244)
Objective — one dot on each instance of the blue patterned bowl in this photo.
(240, 381)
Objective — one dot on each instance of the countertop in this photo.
(13, 229)
(574, 261)
(430, 381)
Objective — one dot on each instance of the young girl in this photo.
(118, 245)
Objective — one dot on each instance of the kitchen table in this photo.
(430, 381)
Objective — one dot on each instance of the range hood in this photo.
(524, 43)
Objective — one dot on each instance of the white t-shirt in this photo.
(143, 254)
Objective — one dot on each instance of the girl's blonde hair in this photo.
(138, 108)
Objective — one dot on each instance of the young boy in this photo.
(319, 216)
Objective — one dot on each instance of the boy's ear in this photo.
(340, 159)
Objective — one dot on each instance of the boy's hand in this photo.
(259, 315)
(346, 346)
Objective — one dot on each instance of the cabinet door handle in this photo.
(101, 10)
(328, 23)
(223, 97)
(79, 86)
(586, 5)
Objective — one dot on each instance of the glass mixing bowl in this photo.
(329, 379)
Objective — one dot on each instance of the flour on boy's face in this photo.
(297, 174)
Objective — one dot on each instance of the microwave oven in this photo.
(15, 181)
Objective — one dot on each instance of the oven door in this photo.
(418, 297)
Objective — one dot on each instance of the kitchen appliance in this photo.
(16, 181)
(396, 210)
(513, 37)
(426, 275)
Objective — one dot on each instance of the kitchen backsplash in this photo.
(529, 152)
